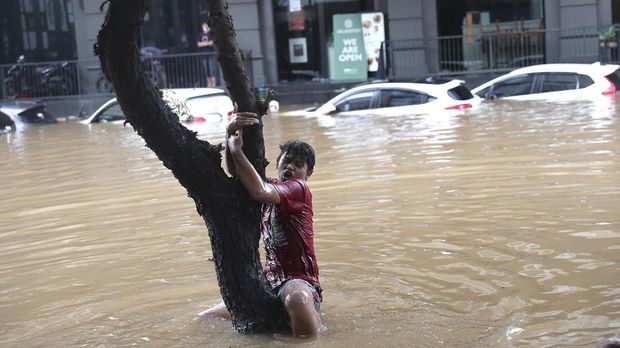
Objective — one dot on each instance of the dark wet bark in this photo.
(232, 218)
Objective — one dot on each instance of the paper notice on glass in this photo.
(294, 5)
(373, 30)
(297, 21)
(298, 52)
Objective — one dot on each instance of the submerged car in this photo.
(18, 114)
(400, 98)
(553, 81)
(191, 104)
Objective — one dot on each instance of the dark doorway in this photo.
(615, 12)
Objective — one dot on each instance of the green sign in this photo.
(349, 57)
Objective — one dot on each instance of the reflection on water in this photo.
(496, 227)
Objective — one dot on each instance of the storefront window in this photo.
(304, 35)
(173, 25)
(43, 31)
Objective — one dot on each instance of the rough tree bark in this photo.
(231, 217)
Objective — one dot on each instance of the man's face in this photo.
(290, 167)
(205, 27)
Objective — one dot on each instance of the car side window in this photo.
(553, 82)
(357, 101)
(584, 81)
(398, 97)
(518, 85)
(111, 114)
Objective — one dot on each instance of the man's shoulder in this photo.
(293, 190)
(290, 183)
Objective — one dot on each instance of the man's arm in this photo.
(238, 121)
(205, 43)
(251, 181)
(230, 163)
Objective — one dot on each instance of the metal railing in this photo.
(498, 51)
(84, 77)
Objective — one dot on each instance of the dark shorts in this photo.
(210, 65)
(317, 299)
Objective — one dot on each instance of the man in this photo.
(288, 235)
(206, 44)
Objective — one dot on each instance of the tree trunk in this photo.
(232, 218)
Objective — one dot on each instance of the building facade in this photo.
(293, 40)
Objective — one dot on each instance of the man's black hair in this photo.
(298, 149)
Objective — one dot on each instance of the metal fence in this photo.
(499, 51)
(84, 77)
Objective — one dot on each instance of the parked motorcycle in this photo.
(152, 59)
(29, 80)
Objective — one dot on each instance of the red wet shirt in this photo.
(288, 235)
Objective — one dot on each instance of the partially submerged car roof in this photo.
(186, 93)
(436, 80)
(603, 69)
(430, 87)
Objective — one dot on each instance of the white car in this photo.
(399, 98)
(191, 104)
(553, 81)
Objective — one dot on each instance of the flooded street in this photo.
(496, 227)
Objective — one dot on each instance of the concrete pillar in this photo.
(88, 20)
(268, 42)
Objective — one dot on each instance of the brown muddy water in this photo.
(497, 227)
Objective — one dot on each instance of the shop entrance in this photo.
(304, 35)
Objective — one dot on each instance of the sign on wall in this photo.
(373, 29)
(349, 52)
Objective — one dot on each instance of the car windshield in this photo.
(205, 104)
(111, 114)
